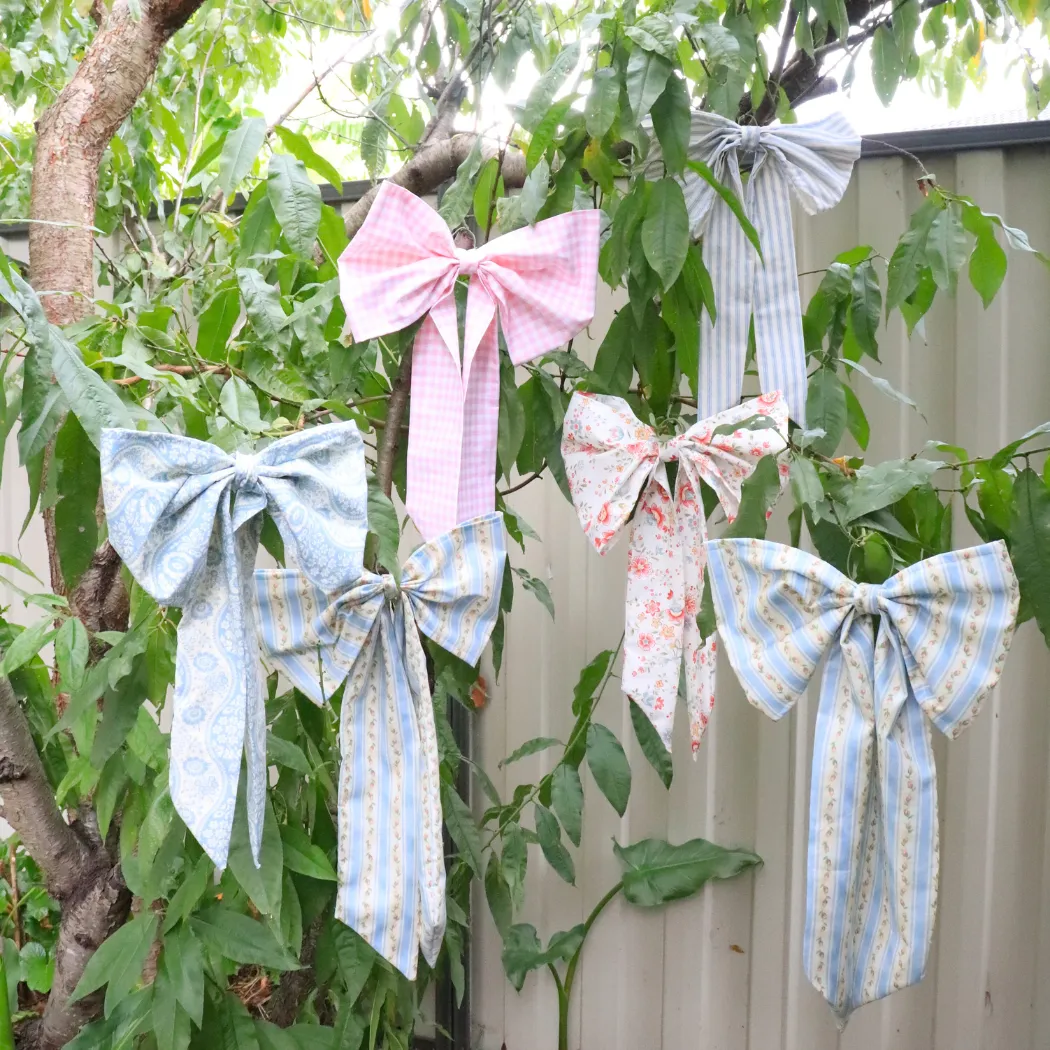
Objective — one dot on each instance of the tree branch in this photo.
(395, 413)
(29, 803)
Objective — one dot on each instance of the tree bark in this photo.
(73, 134)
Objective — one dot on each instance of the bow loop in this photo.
(616, 469)
(184, 516)
(945, 625)
(537, 283)
(391, 863)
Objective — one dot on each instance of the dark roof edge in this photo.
(958, 139)
(936, 140)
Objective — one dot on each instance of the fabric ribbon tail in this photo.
(435, 437)
(432, 916)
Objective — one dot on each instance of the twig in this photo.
(534, 476)
(395, 413)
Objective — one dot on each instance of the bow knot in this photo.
(813, 162)
(614, 466)
(178, 516)
(391, 860)
(391, 591)
(538, 287)
(244, 470)
(750, 138)
(945, 626)
(468, 258)
(866, 599)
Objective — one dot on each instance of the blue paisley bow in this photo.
(391, 862)
(186, 519)
(813, 161)
(944, 628)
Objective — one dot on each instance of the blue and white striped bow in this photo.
(186, 519)
(813, 160)
(391, 863)
(944, 628)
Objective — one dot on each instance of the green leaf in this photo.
(731, 199)
(652, 746)
(614, 362)
(908, 259)
(236, 1029)
(706, 621)
(1030, 544)
(189, 893)
(542, 138)
(826, 410)
(515, 861)
(655, 32)
(258, 231)
(665, 230)
(656, 872)
(383, 524)
(301, 147)
(887, 68)
(536, 586)
(284, 753)
(239, 152)
(946, 247)
(354, 957)
(497, 894)
(603, 102)
(262, 884)
(672, 123)
(373, 144)
(118, 961)
(881, 485)
(456, 200)
(95, 403)
(182, 961)
(243, 940)
(38, 968)
(609, 766)
(215, 325)
(866, 306)
(522, 953)
(262, 303)
(331, 233)
(987, 265)
(27, 644)
(120, 711)
(543, 91)
(758, 494)
(485, 192)
(240, 405)
(118, 1031)
(856, 419)
(591, 678)
(296, 201)
(78, 476)
(303, 856)
(171, 1024)
(549, 833)
(463, 829)
(567, 800)
(647, 74)
(511, 418)
(530, 747)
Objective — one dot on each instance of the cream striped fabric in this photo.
(944, 628)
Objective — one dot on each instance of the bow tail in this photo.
(379, 802)
(435, 437)
(212, 691)
(845, 881)
(780, 347)
(730, 260)
(656, 609)
(477, 479)
(431, 845)
(698, 651)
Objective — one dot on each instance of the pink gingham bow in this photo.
(538, 281)
(612, 459)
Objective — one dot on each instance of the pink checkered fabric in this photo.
(539, 281)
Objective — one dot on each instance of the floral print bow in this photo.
(617, 467)
(944, 628)
(186, 518)
(391, 860)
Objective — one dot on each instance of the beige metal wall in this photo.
(721, 972)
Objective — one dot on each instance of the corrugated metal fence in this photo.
(721, 971)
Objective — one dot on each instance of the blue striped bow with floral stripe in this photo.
(812, 161)
(186, 518)
(391, 863)
(944, 628)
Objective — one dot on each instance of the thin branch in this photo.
(395, 413)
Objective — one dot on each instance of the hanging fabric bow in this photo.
(944, 627)
(612, 459)
(186, 519)
(539, 283)
(391, 860)
(815, 162)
